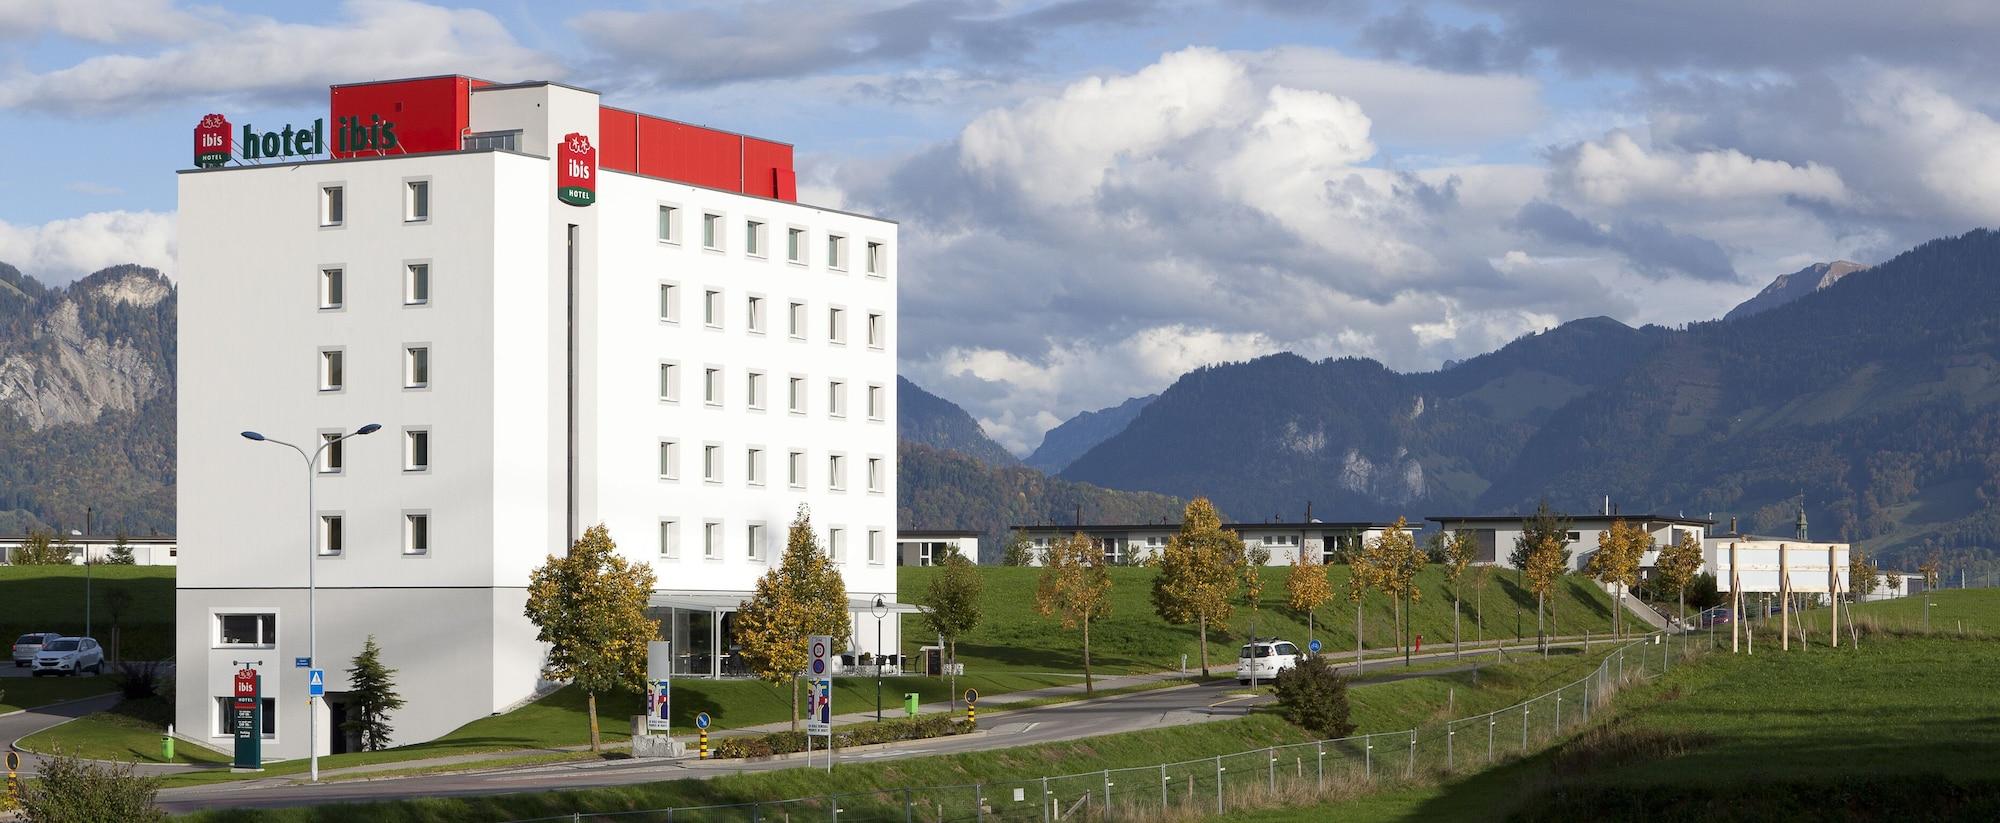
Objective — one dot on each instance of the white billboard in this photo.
(1758, 564)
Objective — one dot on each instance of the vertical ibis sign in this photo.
(246, 720)
(211, 142)
(576, 170)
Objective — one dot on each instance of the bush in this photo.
(138, 679)
(1314, 698)
(888, 731)
(78, 791)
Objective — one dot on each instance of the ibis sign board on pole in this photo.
(246, 720)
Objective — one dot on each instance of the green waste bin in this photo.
(167, 748)
(910, 704)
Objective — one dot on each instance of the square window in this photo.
(670, 303)
(711, 308)
(416, 201)
(877, 402)
(754, 466)
(711, 462)
(795, 469)
(332, 288)
(874, 261)
(711, 540)
(331, 369)
(836, 252)
(670, 460)
(670, 224)
(836, 472)
(416, 450)
(711, 392)
(876, 333)
(670, 383)
(754, 536)
(670, 539)
(332, 205)
(223, 717)
(416, 284)
(711, 231)
(416, 367)
(875, 474)
(753, 238)
(754, 308)
(795, 245)
(329, 456)
(246, 629)
(836, 398)
(754, 388)
(875, 546)
(796, 320)
(417, 533)
(836, 326)
(795, 399)
(332, 540)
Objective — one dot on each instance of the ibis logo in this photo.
(576, 170)
(211, 141)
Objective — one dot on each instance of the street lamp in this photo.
(84, 540)
(879, 608)
(312, 553)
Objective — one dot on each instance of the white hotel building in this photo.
(686, 360)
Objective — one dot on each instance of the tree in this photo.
(1306, 586)
(121, 553)
(1196, 578)
(41, 548)
(1543, 549)
(1455, 555)
(371, 696)
(1616, 563)
(1860, 574)
(590, 607)
(1677, 566)
(1361, 574)
(1397, 562)
(1313, 697)
(1075, 587)
(1930, 569)
(951, 605)
(803, 596)
(1018, 551)
(1250, 567)
(83, 791)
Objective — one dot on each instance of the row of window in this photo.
(756, 241)
(416, 367)
(756, 398)
(876, 327)
(416, 450)
(416, 286)
(416, 202)
(755, 474)
(758, 543)
(416, 533)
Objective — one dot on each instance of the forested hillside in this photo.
(939, 489)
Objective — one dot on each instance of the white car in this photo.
(28, 645)
(1263, 659)
(70, 655)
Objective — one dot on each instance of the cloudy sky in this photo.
(1098, 195)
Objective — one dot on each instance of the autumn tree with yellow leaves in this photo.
(803, 596)
(1361, 576)
(1075, 587)
(1306, 586)
(1397, 561)
(1677, 566)
(590, 607)
(1457, 550)
(1543, 552)
(1197, 573)
(1616, 563)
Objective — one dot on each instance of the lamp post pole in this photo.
(312, 554)
(879, 608)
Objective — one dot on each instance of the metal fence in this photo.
(1215, 785)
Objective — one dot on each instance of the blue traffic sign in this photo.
(1313, 646)
(302, 662)
(701, 720)
(316, 683)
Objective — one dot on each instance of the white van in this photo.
(1263, 659)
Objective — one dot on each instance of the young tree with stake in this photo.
(1306, 586)
(1457, 549)
(1196, 579)
(1543, 549)
(803, 596)
(590, 606)
(1397, 562)
(1677, 566)
(951, 606)
(1075, 587)
(1616, 563)
(1361, 576)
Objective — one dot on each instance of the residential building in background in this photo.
(1132, 544)
(1495, 535)
(929, 547)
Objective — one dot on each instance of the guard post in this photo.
(13, 780)
(971, 707)
(701, 726)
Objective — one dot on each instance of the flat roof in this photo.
(902, 533)
(1573, 518)
(95, 538)
(1130, 527)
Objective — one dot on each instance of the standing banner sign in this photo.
(819, 669)
(659, 686)
(246, 720)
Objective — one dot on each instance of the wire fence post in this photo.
(833, 805)
(1368, 756)
(1218, 784)
(1163, 788)
(1410, 768)
(1524, 729)
(1491, 721)
(1107, 794)
(908, 815)
(1321, 746)
(1449, 734)
(756, 812)
(1046, 800)
(1559, 712)
(978, 804)
(1271, 768)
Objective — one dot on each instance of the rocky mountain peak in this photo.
(1788, 287)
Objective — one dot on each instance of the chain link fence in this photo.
(1214, 785)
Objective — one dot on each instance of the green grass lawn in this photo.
(130, 731)
(1012, 637)
(51, 598)
(29, 692)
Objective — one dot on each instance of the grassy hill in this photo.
(50, 598)
(1013, 637)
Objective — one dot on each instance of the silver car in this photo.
(70, 655)
(28, 645)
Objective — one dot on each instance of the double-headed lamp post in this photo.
(312, 554)
(879, 608)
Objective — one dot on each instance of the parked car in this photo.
(1716, 617)
(28, 645)
(70, 655)
(1263, 659)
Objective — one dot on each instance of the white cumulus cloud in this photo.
(63, 250)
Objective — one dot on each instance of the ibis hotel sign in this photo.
(576, 170)
(212, 139)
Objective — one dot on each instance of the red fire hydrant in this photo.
(1420, 644)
